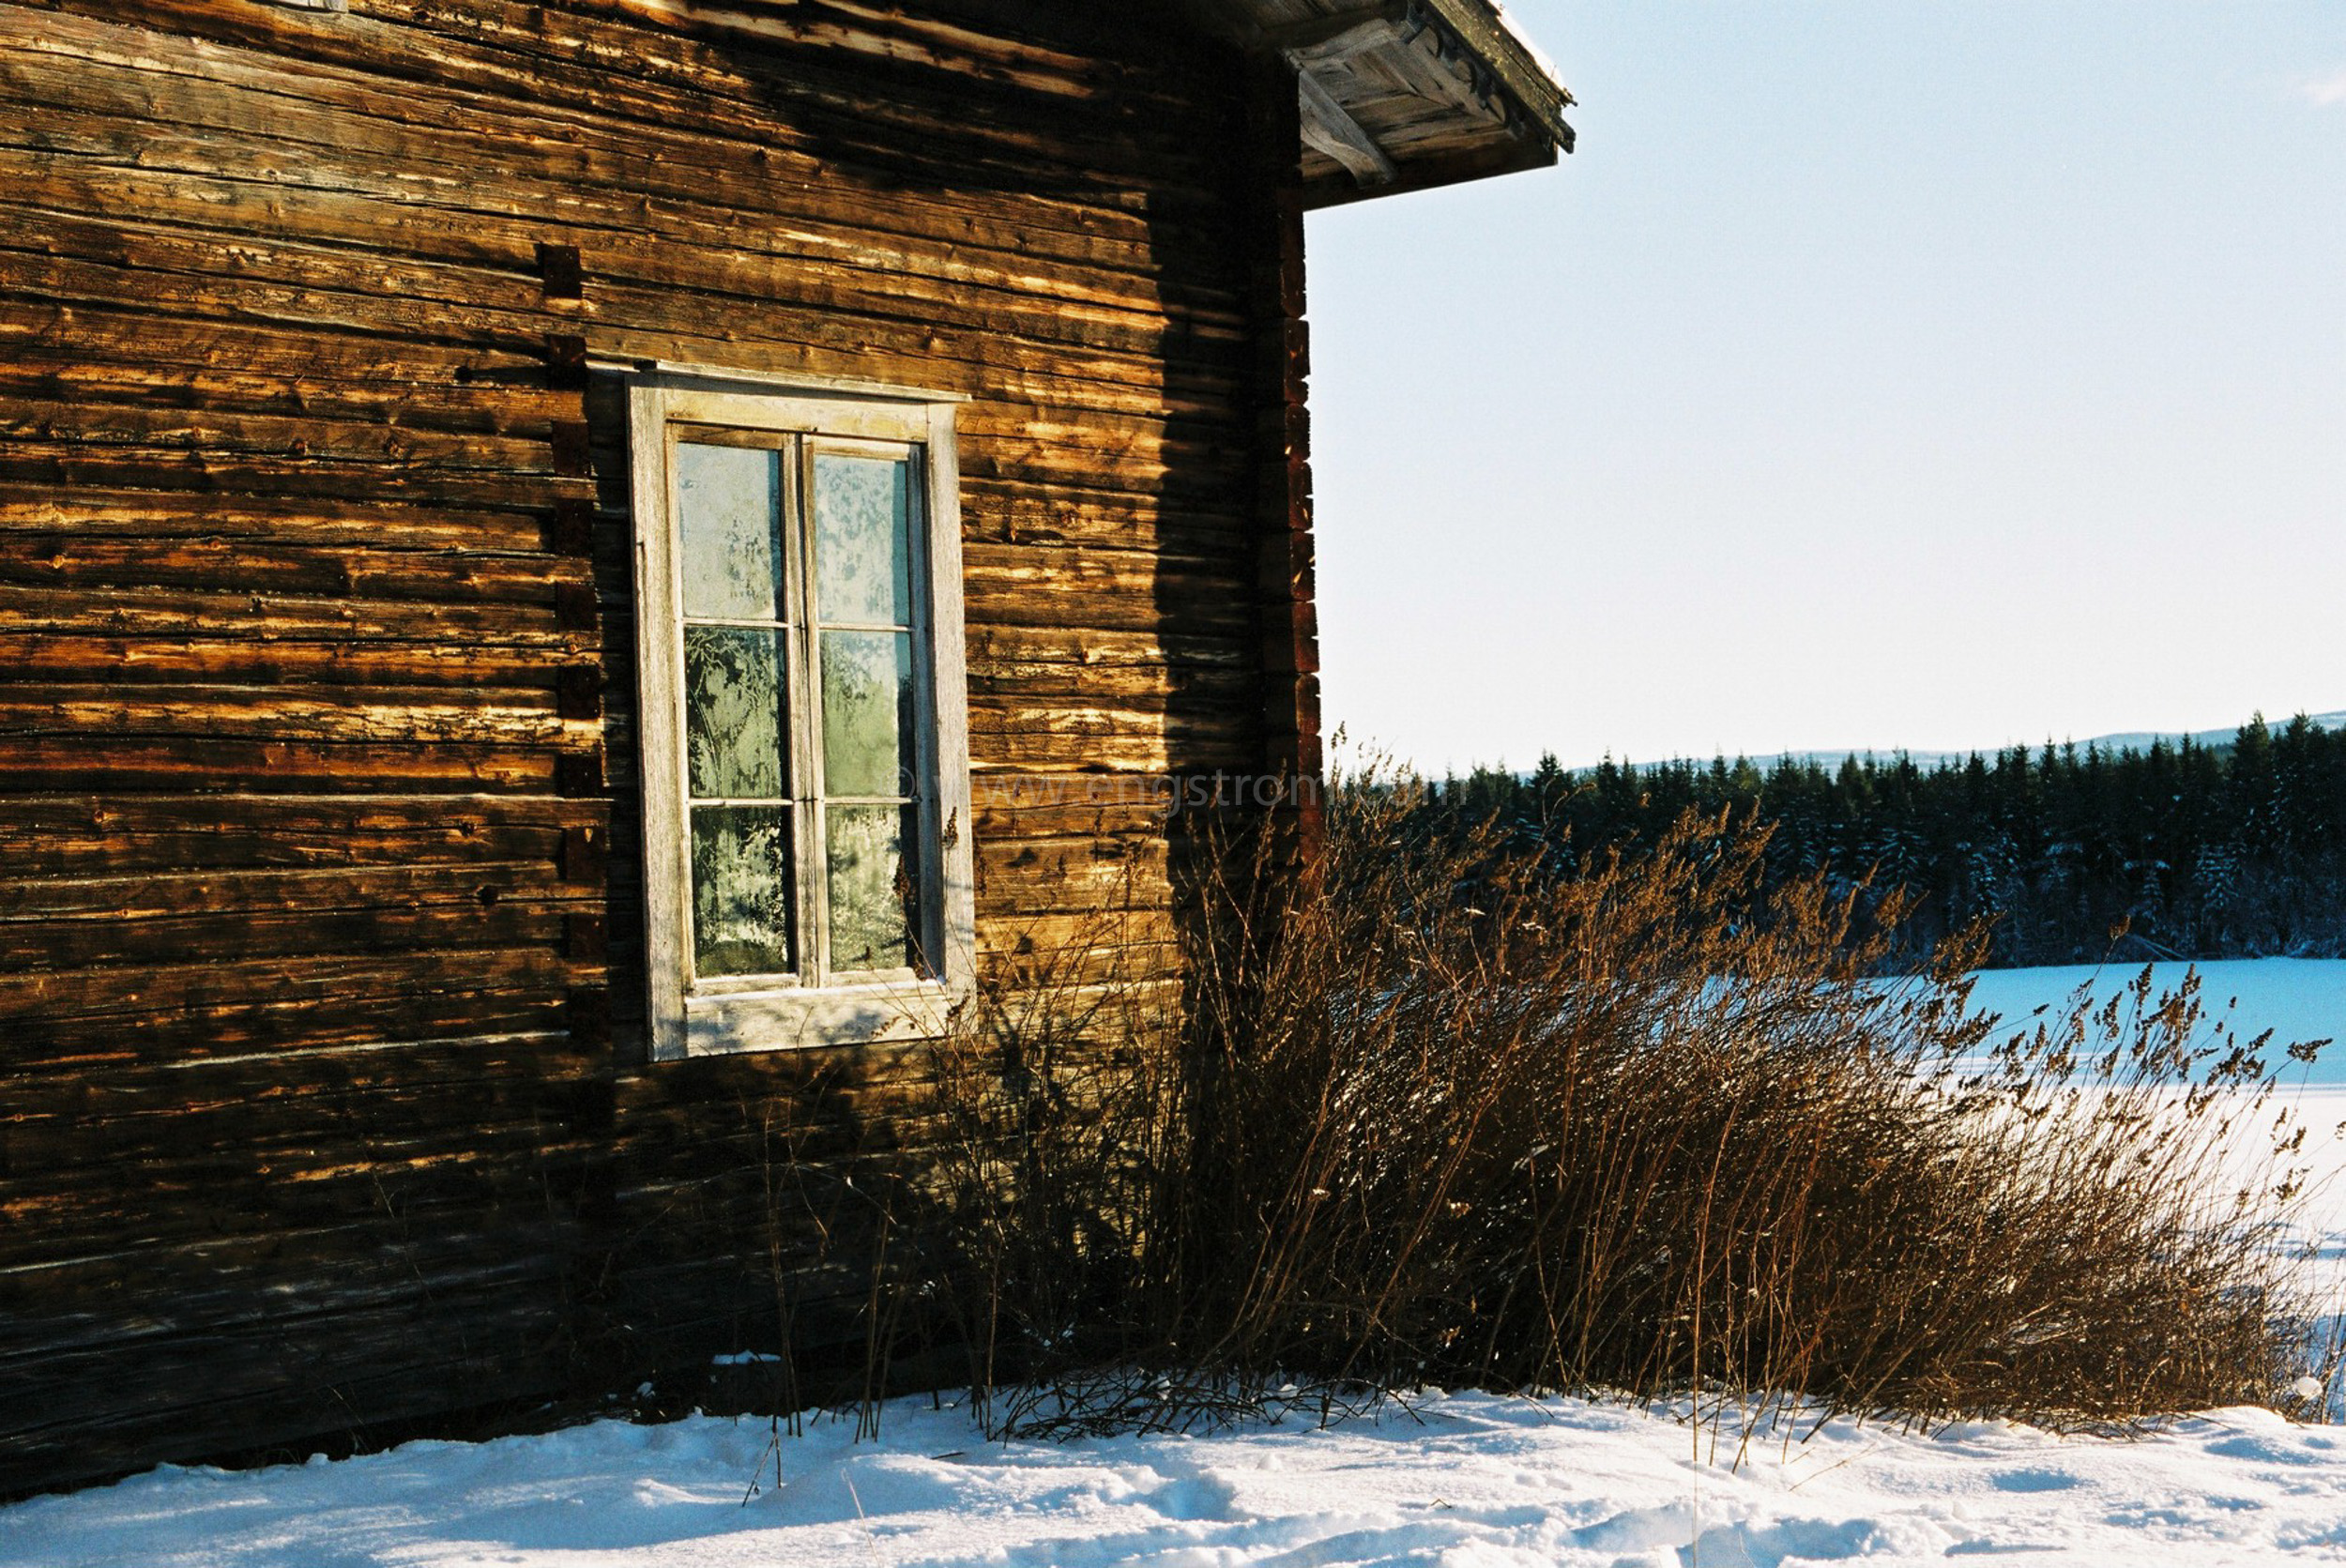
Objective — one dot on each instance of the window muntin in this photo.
(804, 734)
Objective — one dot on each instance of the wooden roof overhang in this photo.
(1403, 95)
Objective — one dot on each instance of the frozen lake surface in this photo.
(2298, 998)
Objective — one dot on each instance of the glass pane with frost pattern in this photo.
(862, 539)
(868, 713)
(873, 891)
(735, 725)
(729, 522)
(743, 908)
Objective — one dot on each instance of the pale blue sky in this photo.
(1917, 374)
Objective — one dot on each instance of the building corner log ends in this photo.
(1286, 580)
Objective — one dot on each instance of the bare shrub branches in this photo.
(1430, 1116)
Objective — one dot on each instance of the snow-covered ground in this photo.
(1470, 1482)
(2319, 1224)
(1467, 1481)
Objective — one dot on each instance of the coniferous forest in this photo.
(2195, 851)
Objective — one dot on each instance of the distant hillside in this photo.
(2141, 741)
(2109, 745)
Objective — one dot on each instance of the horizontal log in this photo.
(161, 362)
(290, 1124)
(278, 1311)
(202, 276)
(45, 660)
(1001, 511)
(246, 1396)
(1130, 688)
(226, 1116)
(102, 763)
(1008, 647)
(69, 957)
(1172, 719)
(106, 298)
(345, 1201)
(745, 162)
(505, 717)
(1014, 809)
(92, 511)
(751, 1095)
(29, 1000)
(845, 86)
(81, 836)
(512, 1003)
(282, 476)
(420, 190)
(806, 332)
(473, 885)
(139, 351)
(242, 1294)
(1134, 753)
(1009, 939)
(131, 611)
(325, 441)
(205, 246)
(510, 53)
(992, 58)
(1071, 877)
(1010, 586)
(342, 571)
(478, 1226)
(69, 369)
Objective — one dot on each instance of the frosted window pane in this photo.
(863, 551)
(729, 506)
(871, 894)
(867, 713)
(734, 729)
(742, 905)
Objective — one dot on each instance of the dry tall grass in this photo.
(1434, 1119)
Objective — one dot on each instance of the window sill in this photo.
(730, 1022)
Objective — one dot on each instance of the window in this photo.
(805, 751)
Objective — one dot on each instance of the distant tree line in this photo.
(2199, 851)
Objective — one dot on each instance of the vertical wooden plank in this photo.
(659, 674)
(950, 686)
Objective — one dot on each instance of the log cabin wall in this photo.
(324, 1094)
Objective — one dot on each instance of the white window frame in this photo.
(722, 1015)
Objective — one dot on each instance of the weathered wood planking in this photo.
(320, 921)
